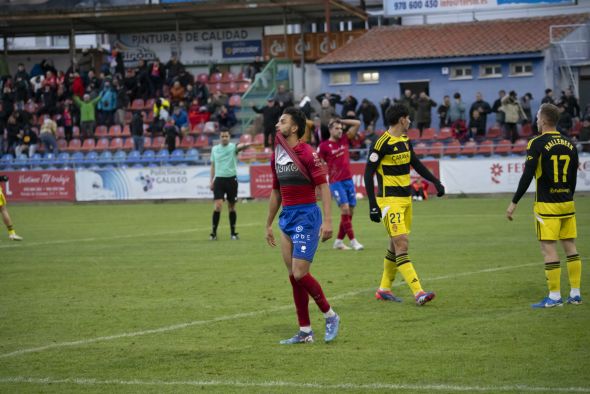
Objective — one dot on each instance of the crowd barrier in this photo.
(486, 175)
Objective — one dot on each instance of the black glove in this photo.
(3, 178)
(375, 214)
(440, 189)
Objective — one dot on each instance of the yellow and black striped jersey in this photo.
(552, 160)
(390, 158)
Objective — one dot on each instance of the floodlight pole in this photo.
(302, 59)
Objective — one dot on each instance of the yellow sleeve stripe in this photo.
(380, 141)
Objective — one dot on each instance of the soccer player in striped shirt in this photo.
(552, 160)
(296, 171)
(5, 215)
(390, 159)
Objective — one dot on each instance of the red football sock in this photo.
(301, 299)
(313, 288)
(341, 231)
(346, 221)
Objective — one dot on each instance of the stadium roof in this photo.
(201, 15)
(499, 37)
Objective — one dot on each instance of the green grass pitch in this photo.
(135, 298)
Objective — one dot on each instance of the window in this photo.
(461, 72)
(368, 77)
(521, 69)
(340, 78)
(60, 41)
(490, 71)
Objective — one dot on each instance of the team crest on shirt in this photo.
(374, 157)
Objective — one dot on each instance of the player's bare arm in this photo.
(273, 208)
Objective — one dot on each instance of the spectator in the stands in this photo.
(419, 189)
(173, 69)
(87, 115)
(332, 98)
(370, 137)
(319, 132)
(180, 118)
(584, 137)
(327, 112)
(216, 101)
(565, 122)
(92, 82)
(408, 100)
(368, 112)
(571, 103)
(424, 107)
(226, 118)
(12, 133)
(460, 131)
(85, 62)
(457, 109)
(477, 126)
(136, 128)
(305, 106)
(270, 116)
(107, 104)
(525, 104)
(123, 101)
(161, 112)
(78, 85)
(513, 113)
(443, 111)
(156, 77)
(48, 101)
(201, 92)
(349, 103)
(483, 107)
(28, 142)
(67, 119)
(177, 93)
(284, 97)
(385, 103)
(496, 109)
(36, 83)
(171, 132)
(548, 99)
(48, 133)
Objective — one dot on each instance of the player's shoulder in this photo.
(381, 141)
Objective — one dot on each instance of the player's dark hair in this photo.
(298, 117)
(334, 121)
(394, 113)
(550, 114)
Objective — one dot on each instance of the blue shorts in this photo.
(302, 224)
(343, 192)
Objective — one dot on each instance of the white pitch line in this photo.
(286, 384)
(125, 236)
(228, 317)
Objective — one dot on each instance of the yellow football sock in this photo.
(574, 270)
(389, 270)
(553, 275)
(405, 267)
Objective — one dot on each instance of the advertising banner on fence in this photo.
(495, 175)
(261, 178)
(47, 185)
(413, 7)
(193, 46)
(151, 183)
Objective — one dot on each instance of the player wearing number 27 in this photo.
(390, 158)
(553, 161)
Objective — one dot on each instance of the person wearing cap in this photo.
(270, 116)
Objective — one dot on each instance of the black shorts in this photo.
(223, 187)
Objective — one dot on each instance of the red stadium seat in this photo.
(494, 132)
(248, 155)
(147, 142)
(102, 144)
(414, 134)
(264, 155)
(428, 134)
(116, 144)
(469, 148)
(149, 104)
(421, 149)
(245, 139)
(526, 130)
(115, 131)
(76, 132)
(436, 149)
(126, 131)
(258, 140)
(62, 144)
(74, 145)
(444, 134)
(101, 131)
(60, 133)
(128, 144)
(202, 141)
(486, 148)
(137, 105)
(453, 148)
(243, 87)
(88, 145)
(215, 77)
(519, 146)
(188, 142)
(503, 147)
(228, 76)
(158, 143)
(203, 78)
